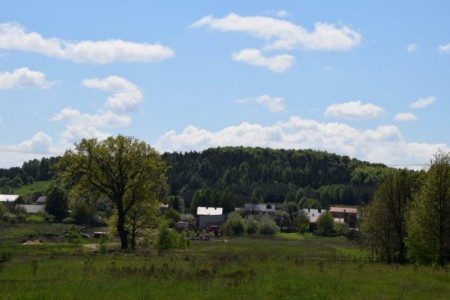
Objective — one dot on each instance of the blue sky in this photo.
(368, 79)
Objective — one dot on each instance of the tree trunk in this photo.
(123, 234)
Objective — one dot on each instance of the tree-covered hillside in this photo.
(268, 175)
(232, 176)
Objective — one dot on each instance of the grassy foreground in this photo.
(284, 267)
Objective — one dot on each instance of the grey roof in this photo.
(8, 198)
(41, 200)
(262, 207)
(32, 209)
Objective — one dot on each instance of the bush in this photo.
(325, 224)
(35, 219)
(168, 239)
(234, 225)
(341, 229)
(252, 226)
(10, 218)
(301, 223)
(267, 226)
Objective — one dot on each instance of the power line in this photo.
(29, 151)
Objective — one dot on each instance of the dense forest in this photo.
(232, 176)
(268, 175)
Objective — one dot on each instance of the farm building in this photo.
(42, 200)
(210, 216)
(9, 200)
(348, 215)
(31, 209)
(259, 209)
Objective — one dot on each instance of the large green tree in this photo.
(57, 202)
(123, 169)
(429, 220)
(384, 221)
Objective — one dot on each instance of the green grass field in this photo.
(36, 187)
(287, 266)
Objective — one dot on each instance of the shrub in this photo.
(234, 225)
(267, 226)
(168, 239)
(325, 224)
(10, 218)
(301, 223)
(341, 229)
(35, 219)
(252, 226)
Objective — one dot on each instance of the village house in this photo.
(9, 201)
(259, 209)
(210, 216)
(347, 215)
(313, 214)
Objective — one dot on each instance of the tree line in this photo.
(409, 217)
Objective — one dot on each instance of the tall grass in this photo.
(238, 268)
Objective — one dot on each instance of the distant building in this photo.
(42, 200)
(313, 214)
(347, 215)
(9, 198)
(31, 209)
(210, 216)
(259, 209)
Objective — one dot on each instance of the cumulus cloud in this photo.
(82, 125)
(125, 98)
(281, 34)
(24, 78)
(405, 116)
(277, 63)
(273, 104)
(422, 102)
(126, 95)
(411, 48)
(383, 144)
(14, 37)
(277, 13)
(354, 110)
(444, 49)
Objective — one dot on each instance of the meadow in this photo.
(287, 266)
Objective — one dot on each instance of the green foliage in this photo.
(429, 220)
(57, 203)
(384, 222)
(301, 223)
(325, 224)
(252, 226)
(35, 219)
(168, 238)
(82, 212)
(341, 229)
(172, 216)
(234, 226)
(267, 226)
(73, 235)
(3, 209)
(122, 169)
(282, 219)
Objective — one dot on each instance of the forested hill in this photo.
(232, 176)
(268, 175)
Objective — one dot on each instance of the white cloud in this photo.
(82, 125)
(126, 95)
(411, 48)
(384, 144)
(277, 13)
(40, 142)
(281, 34)
(273, 104)
(24, 78)
(277, 63)
(405, 116)
(444, 49)
(355, 110)
(15, 37)
(422, 102)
